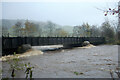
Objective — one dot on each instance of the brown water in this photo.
(94, 62)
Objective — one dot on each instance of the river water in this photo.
(94, 62)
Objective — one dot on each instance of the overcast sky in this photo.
(63, 13)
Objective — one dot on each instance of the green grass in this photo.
(77, 73)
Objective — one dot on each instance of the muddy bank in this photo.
(31, 52)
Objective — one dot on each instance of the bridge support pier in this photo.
(71, 45)
(23, 48)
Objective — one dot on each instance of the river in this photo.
(94, 62)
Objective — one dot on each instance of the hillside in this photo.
(8, 23)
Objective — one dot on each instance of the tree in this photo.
(60, 32)
(5, 31)
(82, 31)
(50, 28)
(111, 11)
(115, 11)
(108, 32)
(76, 31)
(95, 31)
(86, 28)
(30, 29)
(17, 29)
(40, 32)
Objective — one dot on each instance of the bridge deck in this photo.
(14, 42)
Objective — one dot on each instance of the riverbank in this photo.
(31, 52)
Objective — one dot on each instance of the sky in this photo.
(62, 13)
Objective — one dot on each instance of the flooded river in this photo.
(94, 62)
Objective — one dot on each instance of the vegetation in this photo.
(77, 73)
(16, 65)
(107, 30)
(49, 29)
(33, 29)
(28, 70)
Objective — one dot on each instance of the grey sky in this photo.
(63, 13)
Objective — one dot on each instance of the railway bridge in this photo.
(9, 43)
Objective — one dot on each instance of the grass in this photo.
(77, 73)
